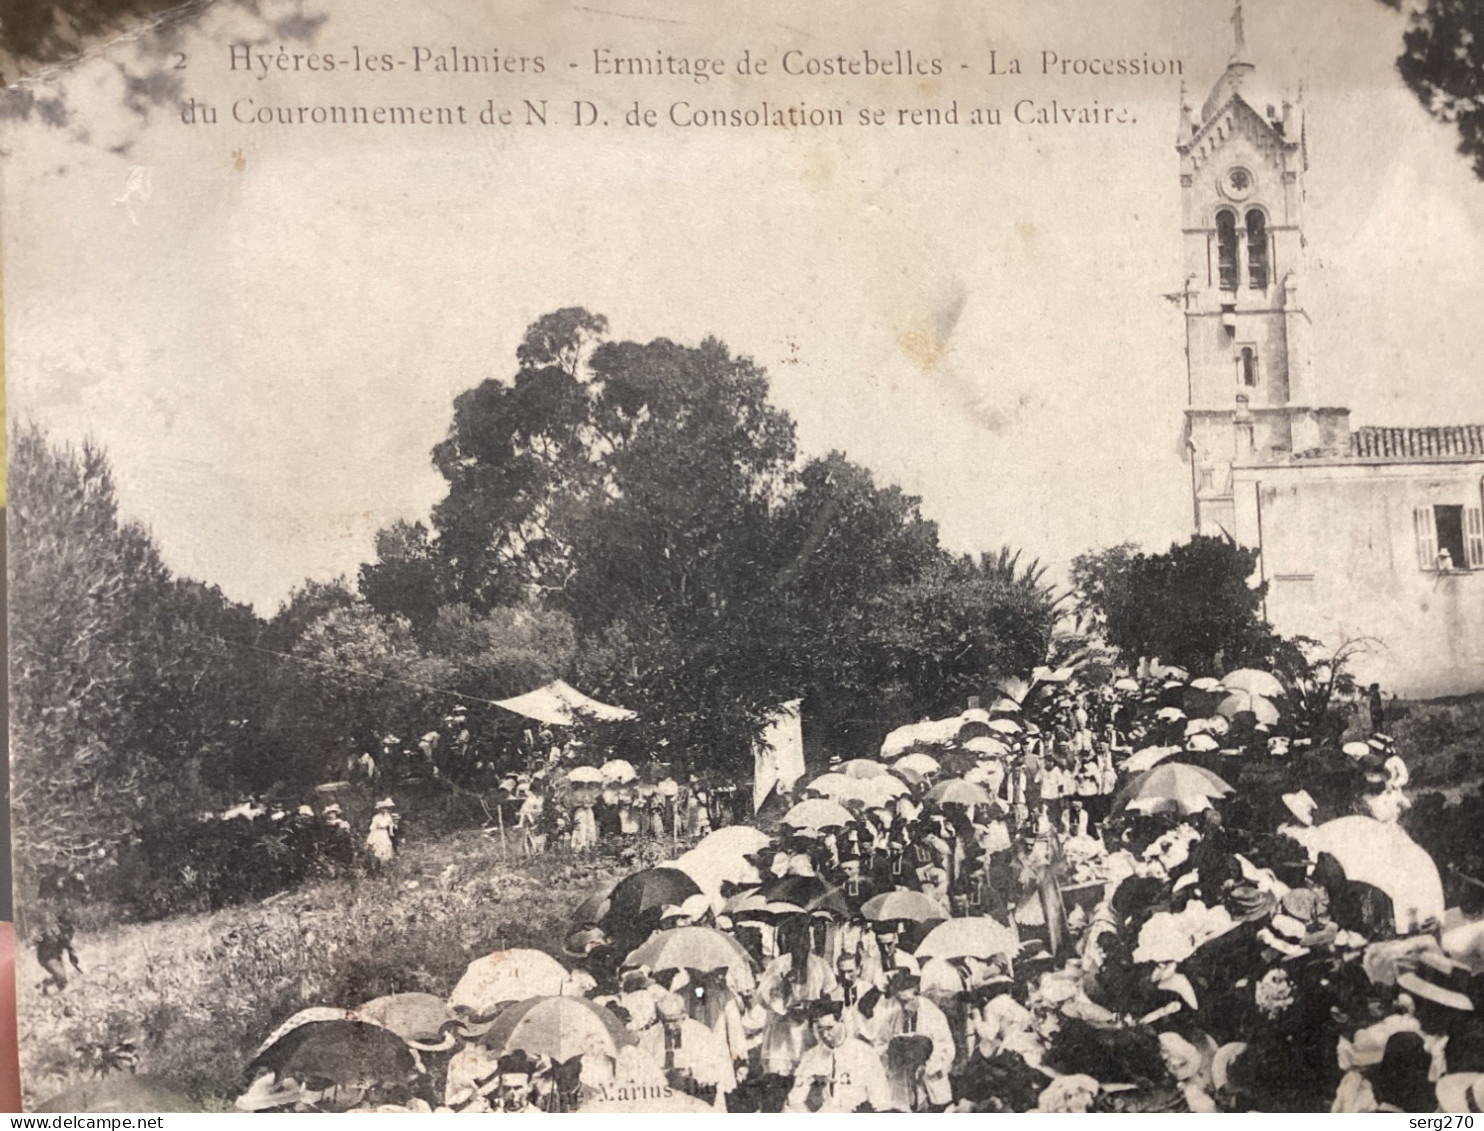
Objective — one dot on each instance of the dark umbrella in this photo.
(807, 893)
(594, 908)
(353, 1056)
(956, 763)
(648, 891)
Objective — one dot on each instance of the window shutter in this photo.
(1425, 528)
(1474, 536)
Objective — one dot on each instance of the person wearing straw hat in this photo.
(1461, 1093)
(381, 838)
(580, 945)
(1399, 1083)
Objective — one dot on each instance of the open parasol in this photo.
(618, 771)
(505, 976)
(1254, 682)
(1240, 702)
(986, 746)
(803, 893)
(557, 1027)
(833, 786)
(882, 790)
(977, 937)
(817, 814)
(922, 763)
(902, 904)
(956, 791)
(696, 948)
(862, 768)
(1384, 856)
(1172, 787)
(650, 890)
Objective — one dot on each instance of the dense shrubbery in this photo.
(632, 516)
(1450, 833)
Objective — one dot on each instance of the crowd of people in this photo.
(1154, 894)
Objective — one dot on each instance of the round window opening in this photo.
(1237, 183)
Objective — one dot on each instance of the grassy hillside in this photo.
(1442, 741)
(194, 996)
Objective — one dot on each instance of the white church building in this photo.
(1364, 532)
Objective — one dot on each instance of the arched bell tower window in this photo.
(1257, 250)
(1226, 248)
(1247, 367)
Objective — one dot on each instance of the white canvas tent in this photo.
(561, 704)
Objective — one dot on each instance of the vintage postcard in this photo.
(653, 556)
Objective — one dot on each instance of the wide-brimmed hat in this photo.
(386, 803)
(1221, 1063)
(1285, 934)
(1460, 1092)
(1301, 805)
(581, 943)
(1439, 979)
(1356, 749)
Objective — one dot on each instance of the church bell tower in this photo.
(1250, 387)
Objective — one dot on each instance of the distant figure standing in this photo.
(1378, 709)
(381, 840)
(52, 946)
(584, 824)
(532, 809)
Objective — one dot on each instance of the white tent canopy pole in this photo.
(561, 704)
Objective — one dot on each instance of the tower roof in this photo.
(1241, 81)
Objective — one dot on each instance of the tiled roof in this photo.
(1413, 443)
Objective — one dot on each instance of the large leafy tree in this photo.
(1192, 605)
(631, 487)
(1442, 61)
(650, 492)
(122, 690)
(949, 633)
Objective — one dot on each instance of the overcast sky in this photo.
(268, 332)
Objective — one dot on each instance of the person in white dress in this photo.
(381, 839)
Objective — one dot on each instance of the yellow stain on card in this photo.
(922, 345)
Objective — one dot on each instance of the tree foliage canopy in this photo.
(651, 492)
(1192, 605)
(630, 516)
(1442, 61)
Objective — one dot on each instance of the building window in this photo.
(1449, 538)
(1257, 250)
(1226, 248)
(1247, 367)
